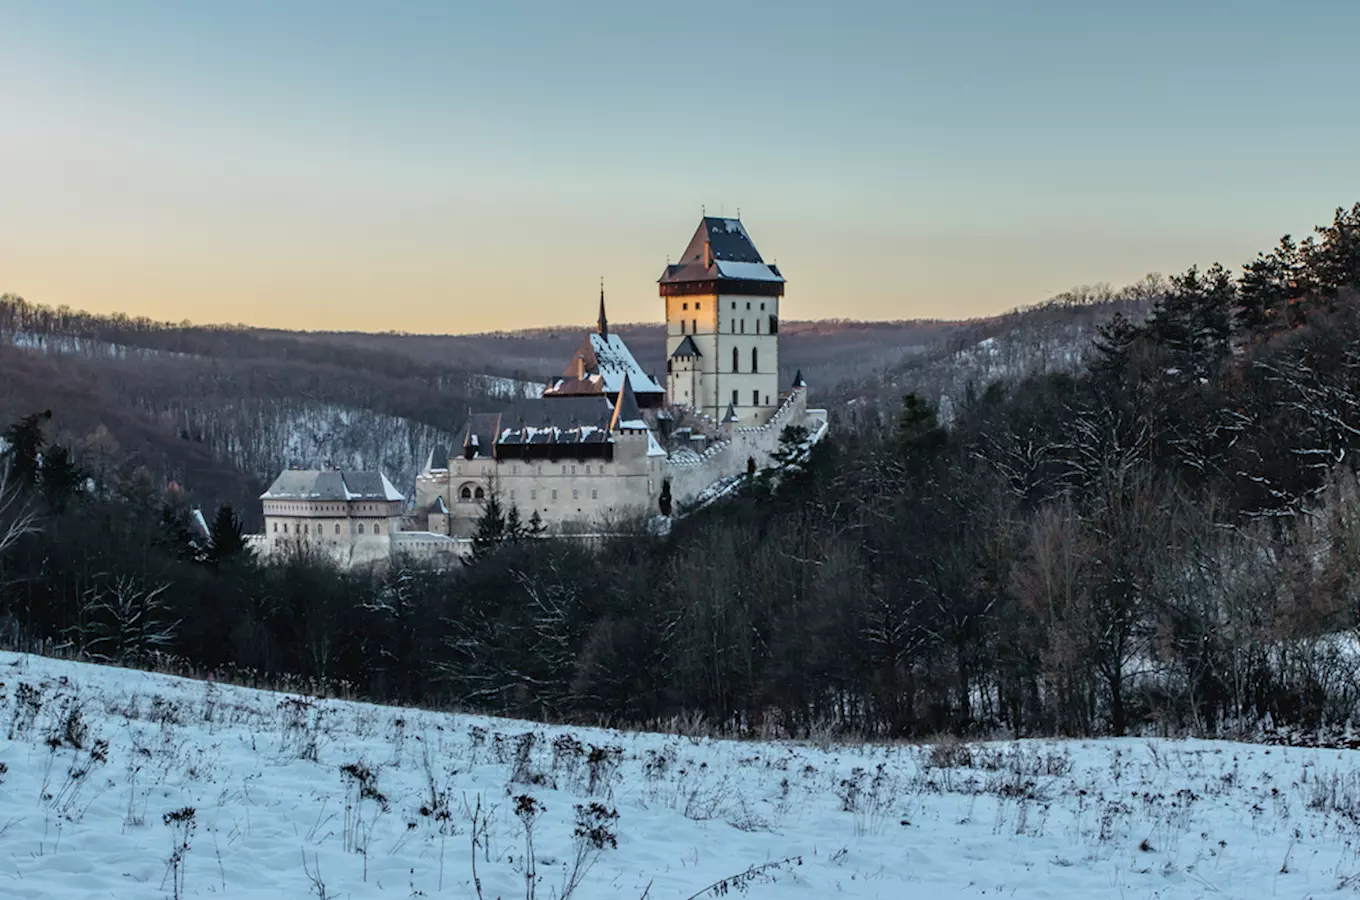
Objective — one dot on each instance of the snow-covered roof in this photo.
(605, 363)
(331, 484)
(722, 250)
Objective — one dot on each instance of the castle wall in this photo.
(691, 476)
(567, 494)
(722, 323)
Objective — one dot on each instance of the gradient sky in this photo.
(452, 167)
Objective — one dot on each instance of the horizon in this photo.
(441, 170)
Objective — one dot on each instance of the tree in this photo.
(1267, 289)
(919, 433)
(25, 440)
(514, 527)
(491, 528)
(226, 536)
(664, 502)
(1194, 321)
(62, 480)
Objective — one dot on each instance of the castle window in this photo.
(465, 493)
(684, 306)
(594, 495)
(696, 304)
(480, 494)
(774, 325)
(682, 326)
(755, 398)
(734, 323)
(361, 527)
(754, 358)
(694, 325)
(669, 368)
(285, 527)
(533, 494)
(748, 304)
(762, 307)
(736, 362)
(575, 494)
(767, 399)
(734, 398)
(512, 493)
(564, 470)
(587, 468)
(743, 326)
(337, 527)
(377, 527)
(554, 493)
(757, 326)
(276, 526)
(734, 304)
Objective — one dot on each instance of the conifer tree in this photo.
(61, 478)
(1194, 321)
(1267, 288)
(25, 439)
(919, 434)
(1113, 346)
(226, 536)
(536, 526)
(490, 528)
(514, 527)
(664, 502)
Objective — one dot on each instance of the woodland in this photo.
(1157, 530)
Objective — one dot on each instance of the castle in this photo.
(605, 442)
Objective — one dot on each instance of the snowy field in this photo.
(117, 783)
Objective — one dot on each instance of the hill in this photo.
(119, 783)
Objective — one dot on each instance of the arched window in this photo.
(361, 527)
(465, 493)
(480, 494)
(337, 527)
(377, 527)
(736, 361)
(754, 358)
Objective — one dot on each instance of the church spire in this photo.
(604, 322)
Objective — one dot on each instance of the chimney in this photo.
(708, 254)
(580, 366)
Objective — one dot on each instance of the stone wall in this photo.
(691, 475)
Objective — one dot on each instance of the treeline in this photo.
(1165, 538)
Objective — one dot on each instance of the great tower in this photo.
(722, 325)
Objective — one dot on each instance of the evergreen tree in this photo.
(664, 502)
(1194, 321)
(1268, 288)
(25, 439)
(536, 526)
(176, 535)
(1113, 347)
(514, 527)
(61, 478)
(226, 536)
(1334, 259)
(490, 528)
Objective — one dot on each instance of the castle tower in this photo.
(722, 325)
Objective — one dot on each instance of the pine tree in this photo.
(490, 528)
(62, 480)
(514, 528)
(226, 536)
(1334, 259)
(919, 434)
(25, 439)
(664, 502)
(1268, 287)
(536, 526)
(1113, 347)
(1194, 321)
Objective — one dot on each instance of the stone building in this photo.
(348, 515)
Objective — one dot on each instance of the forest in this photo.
(1161, 536)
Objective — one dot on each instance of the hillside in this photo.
(119, 783)
(219, 411)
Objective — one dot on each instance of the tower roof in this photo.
(687, 348)
(731, 414)
(626, 411)
(722, 251)
(798, 381)
(603, 321)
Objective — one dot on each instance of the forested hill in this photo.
(1157, 532)
(219, 410)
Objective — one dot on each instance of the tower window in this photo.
(774, 325)
(361, 527)
(734, 323)
(736, 361)
(767, 399)
(757, 326)
(748, 304)
(337, 527)
(762, 307)
(755, 398)
(684, 306)
(743, 326)
(696, 304)
(682, 326)
(480, 494)
(694, 325)
(554, 493)
(734, 304)
(755, 355)
(734, 403)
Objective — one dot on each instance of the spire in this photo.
(604, 322)
(798, 381)
(731, 415)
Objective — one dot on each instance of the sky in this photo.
(447, 167)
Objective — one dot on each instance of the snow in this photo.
(389, 491)
(616, 362)
(749, 271)
(262, 772)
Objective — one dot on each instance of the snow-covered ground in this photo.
(119, 783)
